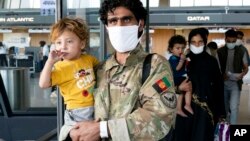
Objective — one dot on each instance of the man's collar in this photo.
(131, 60)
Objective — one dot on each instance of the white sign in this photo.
(48, 4)
(198, 18)
(48, 7)
(19, 19)
(16, 39)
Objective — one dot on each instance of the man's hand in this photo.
(86, 131)
(241, 75)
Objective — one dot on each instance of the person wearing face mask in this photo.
(239, 42)
(207, 93)
(234, 66)
(128, 109)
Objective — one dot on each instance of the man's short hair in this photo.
(240, 33)
(135, 6)
(231, 33)
(42, 43)
(212, 45)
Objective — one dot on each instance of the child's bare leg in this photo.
(179, 106)
(188, 98)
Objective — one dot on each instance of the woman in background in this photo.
(207, 97)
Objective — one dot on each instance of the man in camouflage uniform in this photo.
(128, 109)
(135, 111)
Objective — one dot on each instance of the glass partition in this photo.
(21, 40)
(83, 9)
(76, 4)
(20, 34)
(191, 3)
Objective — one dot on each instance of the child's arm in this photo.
(45, 76)
(181, 62)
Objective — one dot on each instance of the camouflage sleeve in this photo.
(156, 113)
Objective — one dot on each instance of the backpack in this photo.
(146, 67)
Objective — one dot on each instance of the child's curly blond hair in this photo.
(75, 25)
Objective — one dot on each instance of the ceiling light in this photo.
(5, 31)
(39, 31)
(217, 30)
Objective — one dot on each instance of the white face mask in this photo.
(196, 50)
(123, 38)
(239, 42)
(230, 45)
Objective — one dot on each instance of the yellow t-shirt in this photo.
(76, 80)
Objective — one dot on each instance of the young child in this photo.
(177, 61)
(71, 70)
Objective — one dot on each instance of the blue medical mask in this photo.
(231, 45)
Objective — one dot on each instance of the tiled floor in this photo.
(244, 111)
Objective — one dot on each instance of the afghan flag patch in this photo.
(161, 85)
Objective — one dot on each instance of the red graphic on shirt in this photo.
(82, 73)
(85, 93)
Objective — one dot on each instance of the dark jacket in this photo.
(237, 63)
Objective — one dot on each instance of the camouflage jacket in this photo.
(135, 112)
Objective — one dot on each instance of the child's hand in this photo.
(183, 57)
(55, 56)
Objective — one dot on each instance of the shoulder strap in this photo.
(146, 67)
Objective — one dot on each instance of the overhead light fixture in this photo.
(39, 31)
(217, 30)
(5, 31)
(151, 31)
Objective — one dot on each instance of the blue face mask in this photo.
(230, 45)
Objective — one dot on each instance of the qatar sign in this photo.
(198, 18)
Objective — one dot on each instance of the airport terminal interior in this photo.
(24, 23)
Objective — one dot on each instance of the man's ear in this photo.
(141, 25)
